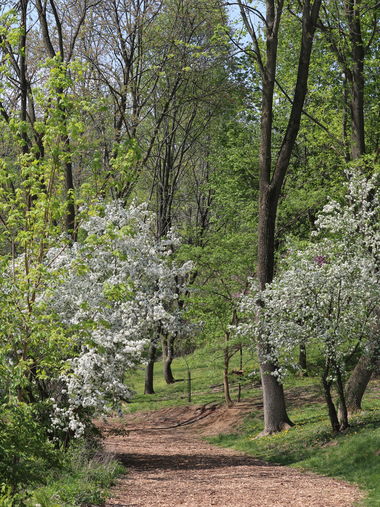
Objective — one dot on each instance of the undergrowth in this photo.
(83, 478)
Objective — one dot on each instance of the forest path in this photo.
(173, 467)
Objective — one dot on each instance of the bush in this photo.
(85, 478)
(25, 452)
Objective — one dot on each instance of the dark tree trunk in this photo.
(168, 353)
(226, 384)
(69, 184)
(357, 384)
(188, 384)
(302, 360)
(150, 369)
(367, 364)
(352, 63)
(68, 167)
(330, 404)
(275, 416)
(241, 371)
(356, 76)
(23, 75)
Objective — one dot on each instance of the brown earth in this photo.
(169, 465)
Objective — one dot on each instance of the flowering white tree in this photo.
(119, 287)
(328, 294)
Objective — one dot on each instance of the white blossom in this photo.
(118, 288)
(327, 294)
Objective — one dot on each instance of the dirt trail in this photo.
(174, 467)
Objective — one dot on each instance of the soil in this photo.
(169, 465)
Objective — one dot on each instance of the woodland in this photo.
(179, 176)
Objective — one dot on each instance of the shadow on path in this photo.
(144, 462)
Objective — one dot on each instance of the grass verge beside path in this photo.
(353, 455)
(83, 478)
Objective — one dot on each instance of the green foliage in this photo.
(25, 453)
(33, 471)
(84, 479)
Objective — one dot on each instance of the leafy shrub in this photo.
(25, 452)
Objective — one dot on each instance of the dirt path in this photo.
(173, 467)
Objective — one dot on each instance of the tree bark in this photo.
(357, 384)
(302, 359)
(150, 369)
(68, 167)
(241, 370)
(330, 404)
(360, 376)
(226, 384)
(275, 416)
(168, 349)
(356, 76)
(343, 419)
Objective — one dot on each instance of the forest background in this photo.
(161, 162)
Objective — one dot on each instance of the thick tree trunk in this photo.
(357, 384)
(356, 76)
(150, 369)
(275, 415)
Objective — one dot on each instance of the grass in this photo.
(353, 455)
(84, 480)
(206, 367)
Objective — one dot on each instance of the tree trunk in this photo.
(302, 360)
(356, 76)
(357, 384)
(168, 346)
(275, 416)
(69, 184)
(226, 384)
(343, 419)
(361, 374)
(149, 369)
(241, 371)
(330, 404)
(188, 384)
